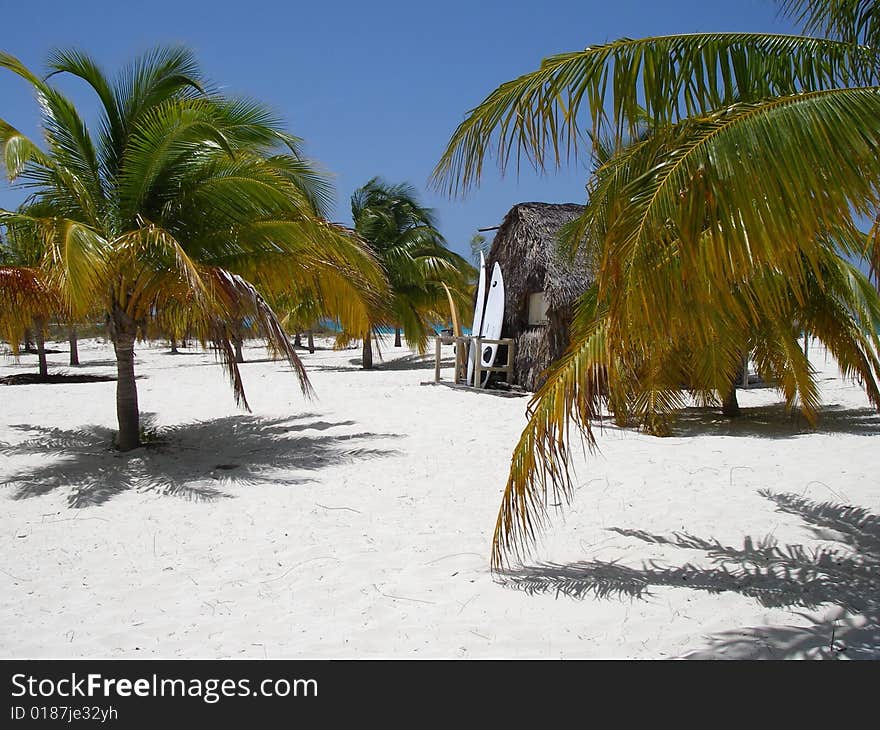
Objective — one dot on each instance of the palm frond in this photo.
(540, 468)
(549, 115)
(240, 300)
(73, 256)
(851, 21)
(24, 297)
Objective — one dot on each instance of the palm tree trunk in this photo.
(397, 342)
(122, 331)
(41, 347)
(297, 340)
(239, 355)
(174, 346)
(367, 360)
(74, 348)
(730, 406)
(311, 343)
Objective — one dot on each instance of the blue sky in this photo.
(373, 88)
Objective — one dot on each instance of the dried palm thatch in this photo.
(527, 248)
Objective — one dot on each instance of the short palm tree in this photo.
(185, 201)
(404, 237)
(27, 302)
(718, 223)
(28, 298)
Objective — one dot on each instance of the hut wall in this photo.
(532, 358)
(537, 348)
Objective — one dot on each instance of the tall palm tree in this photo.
(404, 236)
(185, 201)
(718, 222)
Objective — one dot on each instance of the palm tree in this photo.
(185, 203)
(479, 244)
(29, 298)
(73, 344)
(739, 165)
(27, 302)
(404, 236)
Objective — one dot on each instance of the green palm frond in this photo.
(314, 184)
(16, 151)
(552, 113)
(71, 254)
(851, 21)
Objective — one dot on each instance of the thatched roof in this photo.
(526, 246)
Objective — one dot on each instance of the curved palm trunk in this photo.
(311, 343)
(123, 330)
(367, 359)
(73, 341)
(397, 342)
(41, 347)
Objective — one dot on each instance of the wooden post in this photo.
(478, 365)
(437, 359)
(511, 356)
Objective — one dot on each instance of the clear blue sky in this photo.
(374, 88)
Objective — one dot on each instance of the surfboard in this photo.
(493, 318)
(477, 326)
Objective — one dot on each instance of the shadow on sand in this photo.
(844, 577)
(195, 460)
(773, 422)
(408, 362)
(59, 378)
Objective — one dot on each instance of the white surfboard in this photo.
(476, 327)
(493, 318)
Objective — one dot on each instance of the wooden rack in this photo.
(461, 350)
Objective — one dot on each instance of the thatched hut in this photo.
(541, 284)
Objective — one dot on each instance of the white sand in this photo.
(358, 525)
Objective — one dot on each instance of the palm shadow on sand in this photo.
(772, 421)
(407, 362)
(194, 460)
(845, 576)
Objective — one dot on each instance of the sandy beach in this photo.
(359, 524)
